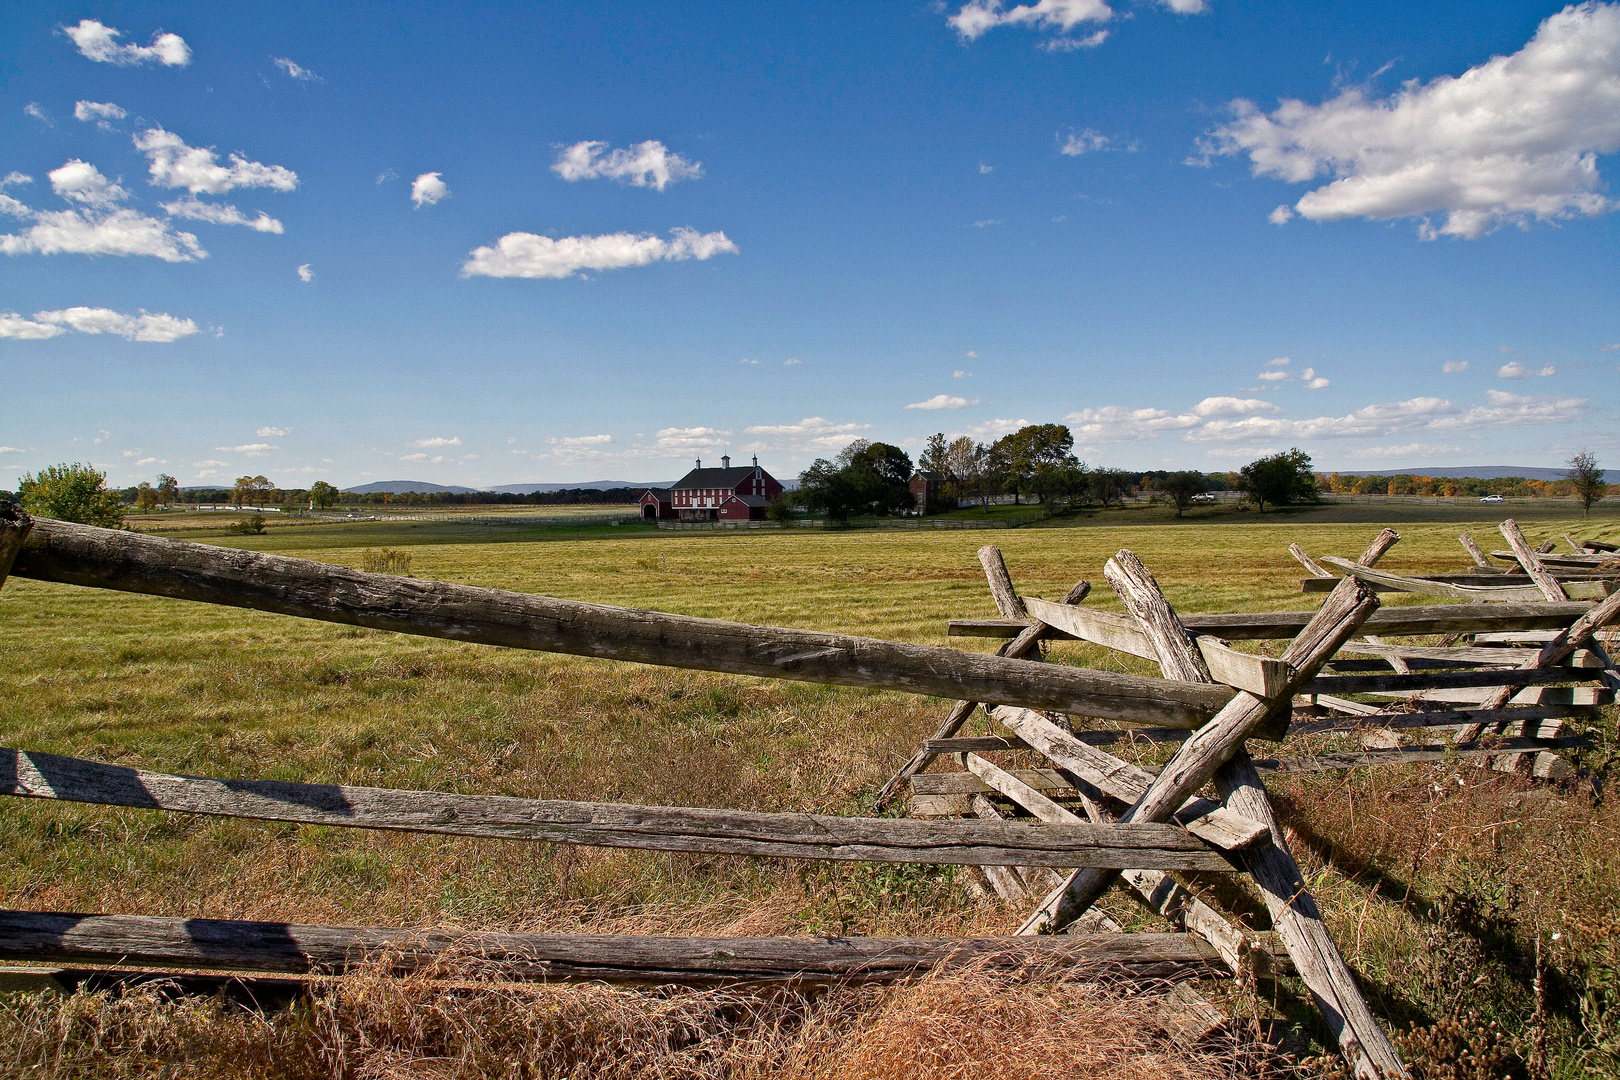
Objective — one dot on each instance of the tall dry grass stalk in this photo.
(967, 1024)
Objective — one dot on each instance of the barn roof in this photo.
(715, 478)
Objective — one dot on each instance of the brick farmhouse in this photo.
(723, 494)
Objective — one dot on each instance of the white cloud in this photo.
(986, 170)
(1406, 450)
(88, 320)
(971, 355)
(745, 360)
(1601, 348)
(527, 255)
(987, 222)
(15, 177)
(1513, 139)
(998, 426)
(1313, 381)
(692, 438)
(581, 448)
(151, 461)
(1282, 215)
(295, 70)
(646, 164)
(980, 16)
(273, 432)
(100, 43)
(1389, 418)
(1512, 370)
(33, 109)
(428, 189)
(1069, 44)
(437, 441)
(14, 326)
(11, 450)
(197, 169)
(791, 361)
(305, 274)
(1114, 423)
(943, 401)
(1380, 419)
(115, 232)
(82, 182)
(210, 463)
(1274, 376)
(97, 110)
(1083, 142)
(195, 209)
(1281, 361)
(810, 426)
(1452, 367)
(413, 457)
(1231, 406)
(1508, 409)
(960, 374)
(257, 449)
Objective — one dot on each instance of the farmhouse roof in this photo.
(661, 494)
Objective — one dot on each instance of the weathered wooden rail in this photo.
(129, 562)
(234, 945)
(651, 828)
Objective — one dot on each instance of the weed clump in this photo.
(386, 561)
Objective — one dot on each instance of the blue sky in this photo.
(550, 242)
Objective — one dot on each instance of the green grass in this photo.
(1412, 866)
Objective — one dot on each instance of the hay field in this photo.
(1419, 869)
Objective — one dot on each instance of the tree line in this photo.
(1036, 462)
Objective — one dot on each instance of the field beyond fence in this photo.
(190, 689)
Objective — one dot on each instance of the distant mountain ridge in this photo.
(1482, 472)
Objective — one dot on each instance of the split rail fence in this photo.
(1060, 835)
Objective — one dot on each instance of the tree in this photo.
(780, 509)
(322, 495)
(1182, 486)
(168, 489)
(1280, 479)
(1587, 477)
(146, 497)
(251, 489)
(935, 455)
(881, 474)
(1029, 450)
(1055, 485)
(825, 487)
(1110, 486)
(969, 462)
(72, 493)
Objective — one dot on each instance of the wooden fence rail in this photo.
(1392, 622)
(105, 558)
(651, 828)
(55, 937)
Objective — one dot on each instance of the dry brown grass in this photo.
(967, 1024)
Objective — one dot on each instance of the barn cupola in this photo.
(725, 461)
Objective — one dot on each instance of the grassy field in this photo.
(1422, 872)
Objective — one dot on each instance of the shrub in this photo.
(386, 561)
(72, 492)
(251, 525)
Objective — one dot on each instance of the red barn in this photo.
(723, 494)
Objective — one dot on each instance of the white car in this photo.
(1491, 499)
(1205, 496)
